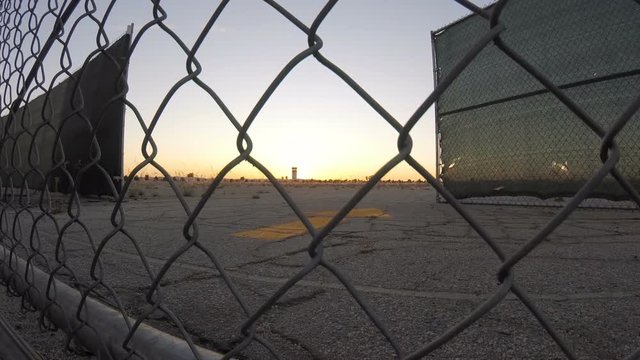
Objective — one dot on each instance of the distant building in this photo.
(294, 173)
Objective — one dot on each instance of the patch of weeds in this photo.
(187, 191)
(255, 196)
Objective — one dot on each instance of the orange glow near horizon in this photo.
(339, 138)
(306, 170)
(321, 153)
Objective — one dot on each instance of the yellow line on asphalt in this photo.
(296, 228)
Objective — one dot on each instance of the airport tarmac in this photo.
(416, 263)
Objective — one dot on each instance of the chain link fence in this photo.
(70, 291)
(503, 134)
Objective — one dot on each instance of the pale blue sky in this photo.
(313, 121)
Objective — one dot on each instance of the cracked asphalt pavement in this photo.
(421, 269)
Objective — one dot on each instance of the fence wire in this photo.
(503, 134)
(28, 30)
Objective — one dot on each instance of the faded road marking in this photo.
(296, 228)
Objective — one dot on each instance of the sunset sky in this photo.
(313, 121)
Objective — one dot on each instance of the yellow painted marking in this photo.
(356, 213)
(296, 228)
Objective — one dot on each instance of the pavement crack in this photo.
(337, 244)
(374, 250)
(193, 277)
(219, 346)
(295, 341)
(283, 255)
(261, 261)
(298, 300)
(288, 265)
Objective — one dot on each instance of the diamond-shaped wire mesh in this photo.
(55, 248)
(536, 146)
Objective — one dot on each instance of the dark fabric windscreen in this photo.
(501, 132)
(51, 139)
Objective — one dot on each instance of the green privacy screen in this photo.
(51, 139)
(501, 133)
